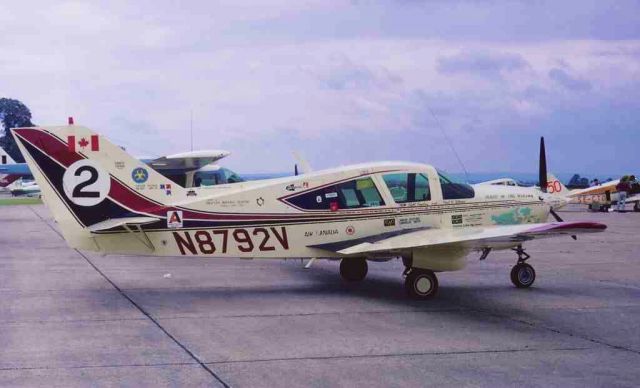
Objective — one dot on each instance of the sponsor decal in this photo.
(174, 219)
(139, 175)
(331, 195)
(456, 219)
(333, 206)
(350, 230)
(390, 222)
(260, 201)
(119, 164)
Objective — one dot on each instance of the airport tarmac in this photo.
(69, 318)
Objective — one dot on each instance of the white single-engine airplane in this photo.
(105, 200)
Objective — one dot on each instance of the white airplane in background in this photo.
(107, 201)
(6, 179)
(597, 198)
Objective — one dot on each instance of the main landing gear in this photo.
(420, 283)
(522, 274)
(353, 269)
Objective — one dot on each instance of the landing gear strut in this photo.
(522, 274)
(420, 283)
(353, 269)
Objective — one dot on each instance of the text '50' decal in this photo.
(208, 242)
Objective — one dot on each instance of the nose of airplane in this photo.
(555, 202)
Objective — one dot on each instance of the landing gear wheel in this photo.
(421, 284)
(523, 275)
(354, 269)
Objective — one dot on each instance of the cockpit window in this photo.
(408, 187)
(454, 190)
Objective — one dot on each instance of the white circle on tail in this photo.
(86, 183)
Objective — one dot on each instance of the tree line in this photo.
(13, 114)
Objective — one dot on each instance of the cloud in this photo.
(567, 81)
(486, 64)
(340, 81)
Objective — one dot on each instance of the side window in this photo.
(408, 187)
(454, 190)
(358, 193)
(397, 185)
(353, 194)
(422, 192)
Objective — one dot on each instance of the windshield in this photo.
(454, 190)
(216, 177)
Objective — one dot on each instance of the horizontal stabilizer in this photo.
(125, 221)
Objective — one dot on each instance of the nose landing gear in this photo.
(522, 274)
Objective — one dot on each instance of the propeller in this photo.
(543, 180)
(542, 172)
(295, 169)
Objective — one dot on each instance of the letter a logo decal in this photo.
(174, 219)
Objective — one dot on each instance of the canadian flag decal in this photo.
(83, 143)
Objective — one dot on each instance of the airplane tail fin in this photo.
(87, 182)
(555, 186)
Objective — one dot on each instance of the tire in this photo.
(523, 275)
(354, 269)
(421, 284)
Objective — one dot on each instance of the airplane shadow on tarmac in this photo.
(325, 283)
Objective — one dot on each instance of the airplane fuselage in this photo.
(303, 216)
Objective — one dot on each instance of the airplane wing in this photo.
(472, 238)
(187, 160)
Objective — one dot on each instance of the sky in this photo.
(340, 82)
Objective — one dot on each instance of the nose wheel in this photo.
(522, 274)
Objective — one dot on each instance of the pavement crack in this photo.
(410, 354)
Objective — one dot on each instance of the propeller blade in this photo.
(295, 169)
(559, 219)
(542, 173)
